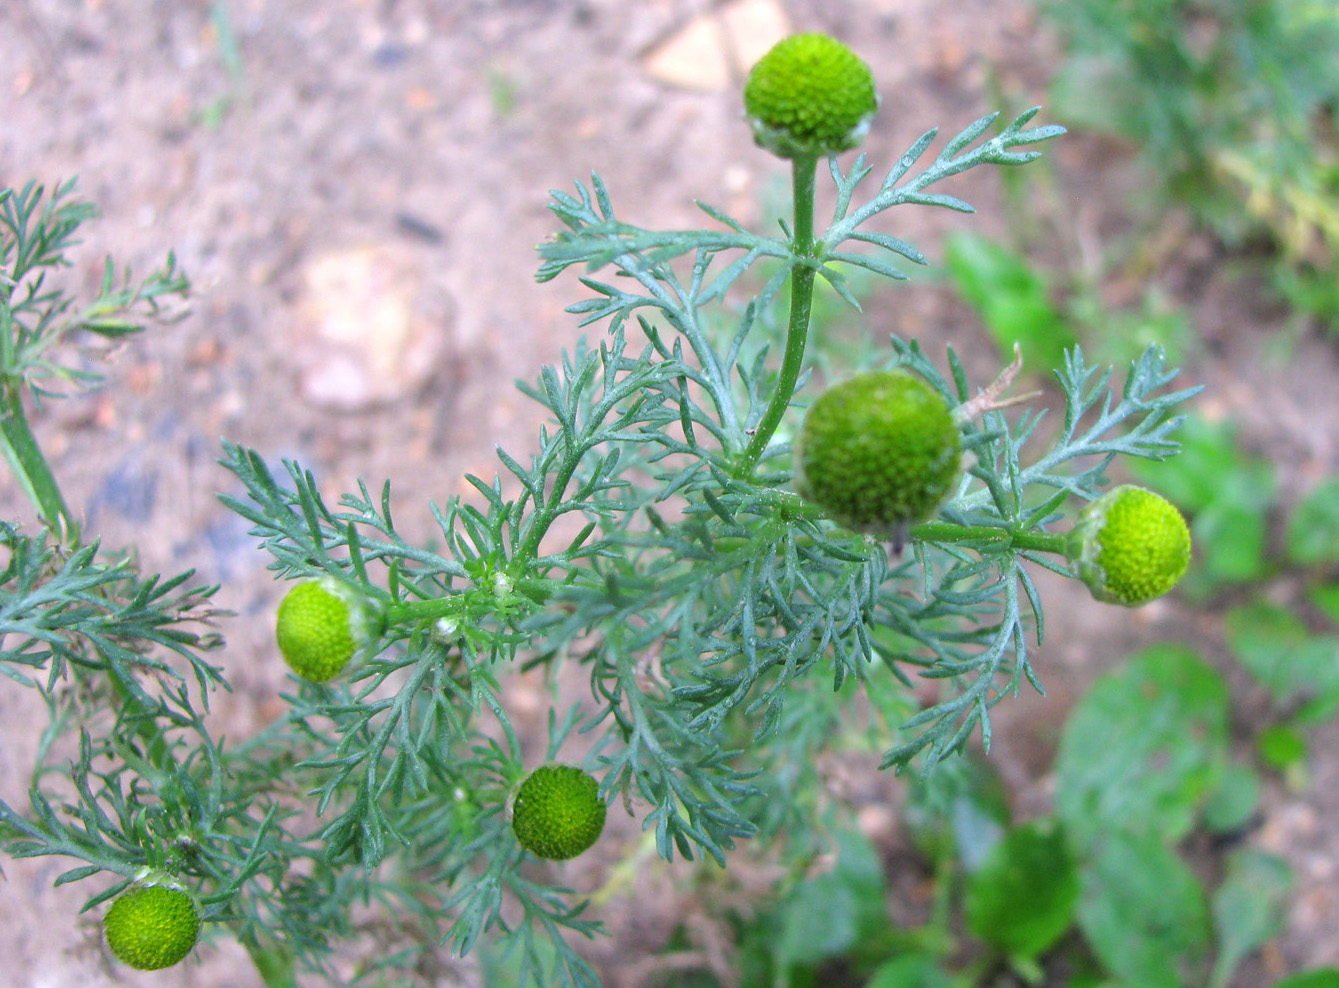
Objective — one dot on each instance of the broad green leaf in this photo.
(1143, 912)
(1249, 907)
(1327, 977)
(1232, 804)
(1143, 749)
(1011, 297)
(1281, 747)
(1325, 597)
(830, 914)
(912, 971)
(1313, 529)
(1276, 648)
(1022, 899)
(1230, 540)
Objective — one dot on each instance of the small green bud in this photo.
(319, 628)
(809, 96)
(878, 452)
(150, 927)
(557, 812)
(1129, 546)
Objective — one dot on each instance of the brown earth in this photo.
(392, 157)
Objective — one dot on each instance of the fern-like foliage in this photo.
(728, 632)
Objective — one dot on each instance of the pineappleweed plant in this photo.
(729, 628)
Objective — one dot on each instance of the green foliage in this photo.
(1234, 801)
(650, 542)
(1143, 911)
(912, 971)
(213, 113)
(1325, 598)
(960, 812)
(1125, 808)
(1153, 780)
(1275, 646)
(44, 338)
(1313, 528)
(1231, 105)
(837, 913)
(1249, 908)
(1297, 666)
(1100, 894)
(1282, 747)
(1046, 311)
(1022, 898)
(1011, 297)
(41, 329)
(1326, 978)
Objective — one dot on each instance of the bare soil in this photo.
(402, 149)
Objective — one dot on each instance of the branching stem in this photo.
(943, 531)
(803, 174)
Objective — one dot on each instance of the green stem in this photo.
(471, 603)
(803, 172)
(454, 605)
(943, 531)
(31, 467)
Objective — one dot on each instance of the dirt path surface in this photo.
(355, 188)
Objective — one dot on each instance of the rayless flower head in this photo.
(1130, 546)
(878, 452)
(810, 96)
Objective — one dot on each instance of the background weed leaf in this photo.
(1011, 297)
(1249, 907)
(1281, 747)
(1321, 978)
(1275, 647)
(912, 971)
(1143, 749)
(1313, 529)
(1234, 802)
(1225, 492)
(1209, 468)
(833, 913)
(1143, 912)
(1325, 598)
(1023, 897)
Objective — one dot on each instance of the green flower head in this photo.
(319, 628)
(557, 812)
(1129, 546)
(878, 452)
(810, 96)
(151, 927)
